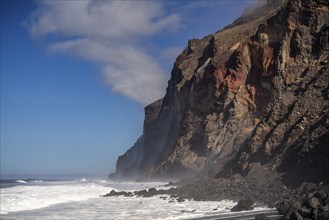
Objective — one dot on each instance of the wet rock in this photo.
(261, 217)
(247, 106)
(286, 205)
(310, 201)
(323, 216)
(308, 187)
(306, 213)
(314, 202)
(260, 87)
(171, 201)
(162, 191)
(289, 208)
(143, 193)
(294, 215)
(115, 193)
(321, 196)
(324, 208)
(152, 192)
(243, 205)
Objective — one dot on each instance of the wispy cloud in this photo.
(108, 33)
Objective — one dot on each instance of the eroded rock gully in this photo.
(254, 94)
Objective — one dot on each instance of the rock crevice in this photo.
(254, 92)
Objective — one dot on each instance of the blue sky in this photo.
(76, 75)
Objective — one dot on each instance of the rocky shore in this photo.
(309, 201)
(245, 116)
(255, 94)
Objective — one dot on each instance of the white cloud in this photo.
(100, 19)
(107, 33)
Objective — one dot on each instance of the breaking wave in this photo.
(36, 194)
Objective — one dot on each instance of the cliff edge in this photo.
(255, 94)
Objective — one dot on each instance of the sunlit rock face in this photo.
(255, 92)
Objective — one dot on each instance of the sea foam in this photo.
(40, 194)
(20, 181)
(83, 200)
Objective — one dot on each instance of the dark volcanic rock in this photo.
(287, 205)
(261, 217)
(115, 193)
(262, 186)
(127, 164)
(253, 94)
(243, 205)
(246, 113)
(152, 191)
(292, 134)
(308, 202)
(248, 106)
(294, 216)
(323, 216)
(208, 110)
(143, 193)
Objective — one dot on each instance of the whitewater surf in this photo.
(82, 199)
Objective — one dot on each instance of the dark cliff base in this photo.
(259, 185)
(308, 201)
(253, 94)
(246, 113)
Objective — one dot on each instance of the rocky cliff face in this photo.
(253, 94)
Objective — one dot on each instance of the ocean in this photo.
(82, 199)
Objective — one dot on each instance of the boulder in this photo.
(152, 191)
(323, 216)
(307, 202)
(284, 206)
(260, 87)
(142, 193)
(243, 205)
(294, 215)
(308, 187)
(314, 202)
(115, 193)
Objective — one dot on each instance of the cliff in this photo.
(255, 94)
